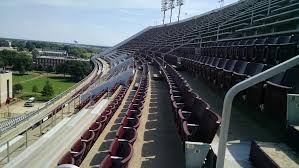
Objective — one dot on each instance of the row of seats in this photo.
(269, 96)
(121, 149)
(269, 50)
(82, 146)
(194, 118)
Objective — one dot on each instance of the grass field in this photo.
(59, 84)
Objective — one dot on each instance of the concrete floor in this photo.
(162, 146)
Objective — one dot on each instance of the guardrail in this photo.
(229, 97)
(12, 123)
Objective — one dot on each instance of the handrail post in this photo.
(228, 100)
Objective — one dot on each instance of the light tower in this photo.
(164, 9)
(179, 3)
(171, 7)
(221, 3)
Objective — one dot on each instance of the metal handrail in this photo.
(228, 100)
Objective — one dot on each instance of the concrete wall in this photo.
(3, 86)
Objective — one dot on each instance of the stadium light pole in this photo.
(164, 9)
(221, 3)
(180, 3)
(171, 7)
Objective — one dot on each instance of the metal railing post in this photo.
(228, 100)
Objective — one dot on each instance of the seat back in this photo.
(230, 64)
(210, 123)
(78, 146)
(114, 147)
(88, 135)
(198, 109)
(240, 67)
(291, 79)
(215, 61)
(221, 63)
(107, 162)
(67, 159)
(254, 68)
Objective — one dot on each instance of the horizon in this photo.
(90, 23)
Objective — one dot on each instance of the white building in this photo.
(5, 86)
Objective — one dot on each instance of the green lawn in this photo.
(23, 78)
(59, 84)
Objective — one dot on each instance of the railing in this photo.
(228, 100)
(12, 123)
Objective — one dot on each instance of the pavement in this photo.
(17, 109)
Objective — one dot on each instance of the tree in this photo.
(17, 88)
(35, 53)
(34, 89)
(48, 90)
(21, 69)
(20, 61)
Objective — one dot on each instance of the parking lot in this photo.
(17, 108)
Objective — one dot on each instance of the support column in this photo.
(69, 107)
(26, 138)
(62, 112)
(40, 128)
(55, 117)
(7, 149)
(52, 119)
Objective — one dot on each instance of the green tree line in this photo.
(77, 69)
(19, 61)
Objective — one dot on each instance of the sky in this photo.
(95, 22)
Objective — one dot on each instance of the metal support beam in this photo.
(40, 128)
(62, 111)
(229, 97)
(7, 150)
(52, 120)
(26, 136)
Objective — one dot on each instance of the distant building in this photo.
(5, 86)
(7, 48)
(48, 58)
(46, 61)
(52, 53)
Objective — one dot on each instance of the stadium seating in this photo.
(128, 133)
(67, 159)
(81, 148)
(220, 48)
(121, 149)
(195, 121)
(88, 139)
(78, 151)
